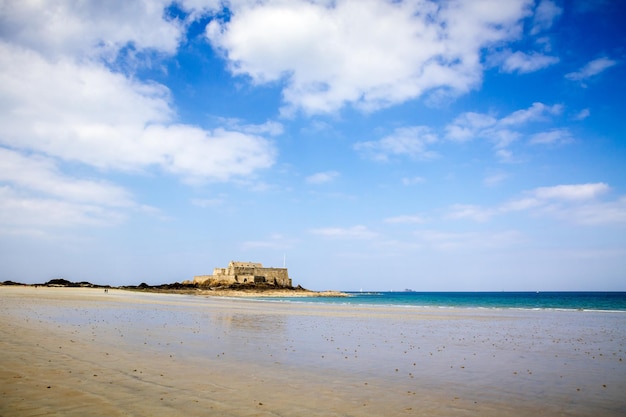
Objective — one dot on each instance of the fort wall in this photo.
(245, 273)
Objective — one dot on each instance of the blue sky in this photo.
(376, 145)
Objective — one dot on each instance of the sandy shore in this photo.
(78, 351)
(270, 293)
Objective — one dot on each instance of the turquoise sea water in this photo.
(606, 301)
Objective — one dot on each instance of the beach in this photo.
(81, 351)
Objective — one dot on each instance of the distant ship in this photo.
(408, 290)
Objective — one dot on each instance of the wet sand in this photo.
(79, 351)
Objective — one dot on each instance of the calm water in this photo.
(609, 301)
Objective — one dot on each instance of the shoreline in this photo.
(244, 293)
(299, 293)
(80, 351)
(177, 288)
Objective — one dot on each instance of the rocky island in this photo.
(239, 279)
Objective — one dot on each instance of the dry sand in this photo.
(77, 351)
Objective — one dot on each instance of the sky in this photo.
(377, 145)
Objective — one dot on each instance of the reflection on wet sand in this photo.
(145, 354)
(260, 323)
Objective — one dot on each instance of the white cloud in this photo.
(88, 29)
(572, 192)
(468, 125)
(356, 232)
(61, 101)
(322, 177)
(545, 15)
(270, 127)
(85, 113)
(536, 112)
(472, 125)
(582, 115)
(544, 43)
(36, 194)
(19, 212)
(599, 213)
(504, 131)
(407, 141)
(574, 203)
(554, 136)
(524, 63)
(591, 69)
(502, 138)
(198, 155)
(41, 175)
(505, 156)
(522, 204)
(472, 212)
(368, 53)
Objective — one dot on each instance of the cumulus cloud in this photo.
(407, 141)
(367, 53)
(89, 29)
(591, 69)
(85, 113)
(64, 98)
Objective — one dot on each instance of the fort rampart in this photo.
(244, 273)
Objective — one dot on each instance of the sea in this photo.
(550, 300)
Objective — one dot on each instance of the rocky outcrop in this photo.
(249, 289)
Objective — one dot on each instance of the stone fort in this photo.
(244, 273)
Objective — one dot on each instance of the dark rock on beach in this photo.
(243, 289)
